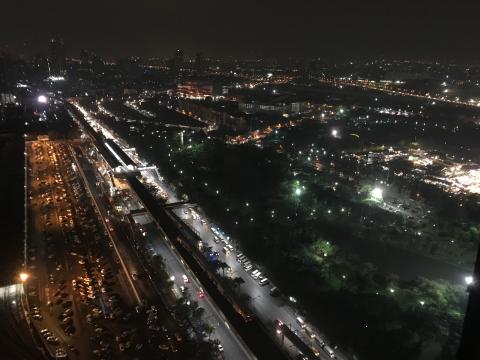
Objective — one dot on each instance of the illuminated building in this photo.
(200, 89)
(281, 104)
(215, 114)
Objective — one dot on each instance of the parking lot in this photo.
(79, 301)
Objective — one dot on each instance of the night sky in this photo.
(261, 28)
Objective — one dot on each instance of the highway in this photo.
(266, 307)
(234, 348)
(368, 86)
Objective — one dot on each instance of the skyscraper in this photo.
(179, 58)
(57, 58)
(3, 72)
(176, 65)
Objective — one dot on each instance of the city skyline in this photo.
(280, 29)
(239, 181)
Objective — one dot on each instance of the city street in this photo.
(232, 344)
(234, 348)
(266, 307)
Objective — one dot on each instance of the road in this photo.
(265, 306)
(17, 341)
(234, 348)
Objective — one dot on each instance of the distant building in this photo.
(215, 114)
(9, 73)
(199, 63)
(56, 59)
(179, 58)
(5, 83)
(279, 104)
(200, 89)
(176, 65)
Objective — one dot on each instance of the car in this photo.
(70, 330)
(37, 317)
(97, 353)
(163, 347)
(329, 351)
(301, 322)
(60, 353)
(44, 331)
(185, 279)
(220, 348)
(274, 291)
(201, 294)
(52, 340)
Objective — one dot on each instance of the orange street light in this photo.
(23, 277)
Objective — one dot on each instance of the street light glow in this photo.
(334, 133)
(42, 99)
(469, 280)
(23, 277)
(377, 194)
(298, 191)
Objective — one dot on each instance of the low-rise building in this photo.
(280, 104)
(215, 114)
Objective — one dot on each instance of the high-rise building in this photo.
(57, 65)
(179, 58)
(469, 344)
(176, 65)
(4, 83)
(199, 63)
(10, 72)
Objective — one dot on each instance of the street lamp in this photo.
(42, 99)
(335, 133)
(298, 191)
(23, 276)
(377, 194)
